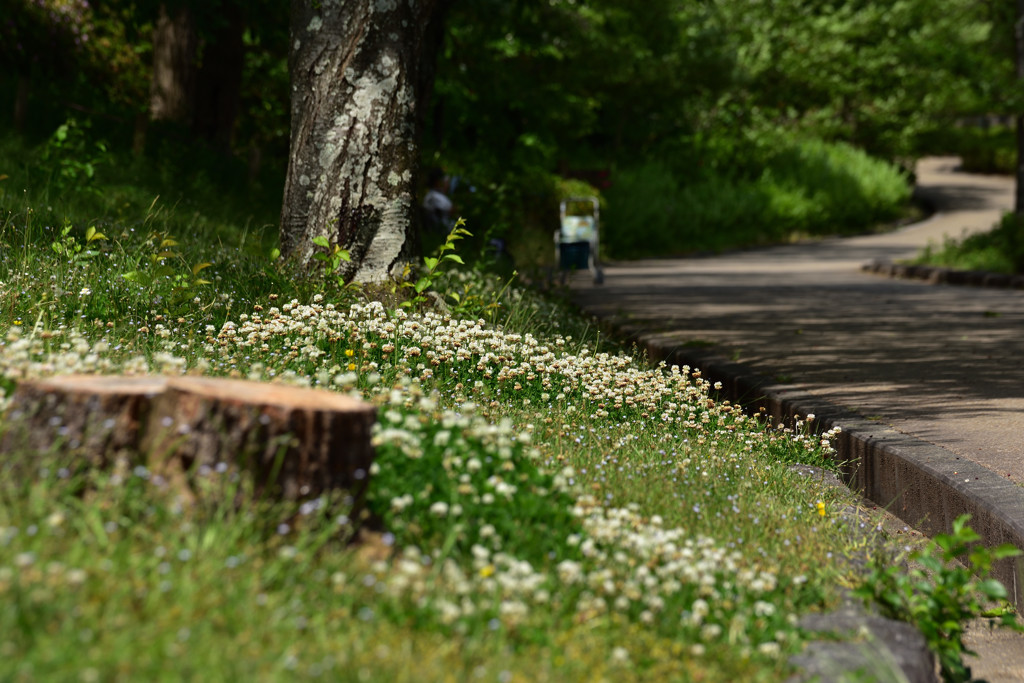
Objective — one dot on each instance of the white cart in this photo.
(577, 239)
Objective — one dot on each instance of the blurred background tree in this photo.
(701, 124)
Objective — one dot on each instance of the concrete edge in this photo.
(924, 485)
(944, 276)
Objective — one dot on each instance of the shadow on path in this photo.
(945, 364)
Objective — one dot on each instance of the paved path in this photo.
(927, 379)
(945, 364)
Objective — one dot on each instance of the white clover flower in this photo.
(448, 612)
(570, 572)
(513, 611)
(439, 509)
(709, 632)
(401, 502)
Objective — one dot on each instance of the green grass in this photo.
(1000, 250)
(551, 507)
(805, 188)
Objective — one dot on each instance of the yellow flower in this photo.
(349, 353)
(487, 571)
(351, 366)
(821, 508)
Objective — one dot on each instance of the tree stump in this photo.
(296, 442)
(97, 417)
(302, 441)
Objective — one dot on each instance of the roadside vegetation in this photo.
(792, 189)
(989, 149)
(547, 505)
(1000, 250)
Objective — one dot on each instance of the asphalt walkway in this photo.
(926, 380)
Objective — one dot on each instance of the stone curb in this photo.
(876, 649)
(944, 276)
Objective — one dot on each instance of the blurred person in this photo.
(438, 208)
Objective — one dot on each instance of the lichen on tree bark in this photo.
(360, 71)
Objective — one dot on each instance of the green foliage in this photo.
(263, 123)
(165, 273)
(73, 158)
(574, 187)
(68, 247)
(452, 481)
(874, 74)
(981, 148)
(711, 97)
(940, 595)
(560, 85)
(331, 258)
(426, 281)
(804, 188)
(1000, 250)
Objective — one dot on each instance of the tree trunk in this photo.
(219, 80)
(139, 134)
(296, 442)
(174, 52)
(361, 72)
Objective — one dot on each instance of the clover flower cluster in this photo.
(458, 482)
(626, 566)
(65, 351)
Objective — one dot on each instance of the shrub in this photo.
(1000, 250)
(941, 595)
(982, 149)
(807, 187)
